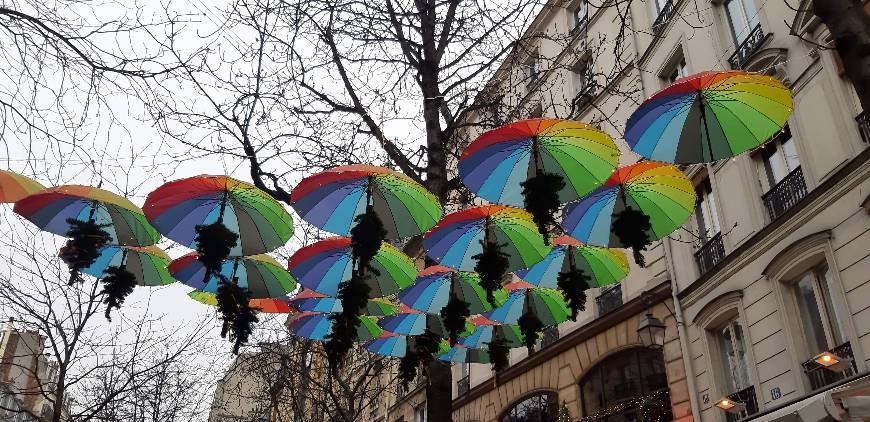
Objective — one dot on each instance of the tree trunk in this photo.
(57, 411)
(849, 25)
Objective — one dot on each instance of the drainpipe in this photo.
(682, 334)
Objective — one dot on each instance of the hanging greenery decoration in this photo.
(530, 326)
(213, 245)
(353, 294)
(408, 367)
(366, 237)
(491, 265)
(117, 285)
(420, 352)
(238, 317)
(632, 228)
(498, 353)
(574, 284)
(453, 315)
(541, 199)
(83, 247)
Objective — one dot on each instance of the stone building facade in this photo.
(26, 375)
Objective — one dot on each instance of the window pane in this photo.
(810, 316)
(837, 330)
(733, 355)
(743, 17)
(591, 392)
(581, 13)
(790, 154)
(774, 166)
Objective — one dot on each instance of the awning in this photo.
(843, 402)
(810, 409)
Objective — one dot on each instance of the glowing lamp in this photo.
(831, 362)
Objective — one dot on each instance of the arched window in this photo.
(628, 386)
(540, 407)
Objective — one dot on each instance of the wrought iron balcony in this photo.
(551, 334)
(864, 126)
(788, 192)
(584, 97)
(665, 16)
(747, 48)
(463, 386)
(747, 397)
(609, 299)
(820, 376)
(710, 254)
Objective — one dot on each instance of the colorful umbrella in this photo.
(494, 165)
(431, 291)
(708, 117)
(316, 326)
(485, 330)
(547, 304)
(605, 266)
(148, 264)
(460, 354)
(279, 305)
(458, 236)
(14, 187)
(332, 199)
(413, 323)
(49, 209)
(260, 274)
(395, 345)
(177, 207)
(323, 265)
(377, 307)
(661, 191)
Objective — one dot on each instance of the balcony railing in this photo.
(747, 397)
(864, 126)
(584, 97)
(665, 16)
(463, 386)
(609, 300)
(788, 192)
(551, 334)
(747, 48)
(710, 254)
(821, 376)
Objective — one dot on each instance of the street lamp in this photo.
(651, 332)
(831, 362)
(730, 406)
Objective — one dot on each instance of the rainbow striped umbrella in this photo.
(323, 265)
(548, 304)
(461, 354)
(459, 236)
(396, 345)
(177, 207)
(485, 330)
(377, 307)
(49, 209)
(659, 190)
(494, 165)
(316, 326)
(14, 187)
(431, 291)
(260, 274)
(604, 265)
(280, 305)
(331, 199)
(148, 264)
(410, 322)
(708, 117)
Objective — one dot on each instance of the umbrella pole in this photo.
(124, 258)
(704, 120)
(223, 206)
(92, 211)
(536, 156)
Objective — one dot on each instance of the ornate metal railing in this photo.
(747, 48)
(463, 386)
(747, 397)
(863, 120)
(788, 192)
(710, 254)
(665, 16)
(551, 334)
(609, 299)
(821, 376)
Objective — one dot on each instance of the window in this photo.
(706, 215)
(659, 5)
(420, 413)
(621, 378)
(533, 69)
(679, 71)
(820, 319)
(581, 15)
(536, 408)
(779, 158)
(732, 349)
(742, 18)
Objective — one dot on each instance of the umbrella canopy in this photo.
(708, 117)
(260, 274)
(485, 330)
(331, 199)
(317, 326)
(377, 307)
(494, 165)
(461, 354)
(280, 305)
(49, 209)
(459, 236)
(548, 304)
(323, 265)
(431, 291)
(14, 187)
(395, 345)
(659, 190)
(605, 266)
(413, 323)
(147, 264)
(177, 207)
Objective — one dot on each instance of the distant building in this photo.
(27, 376)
